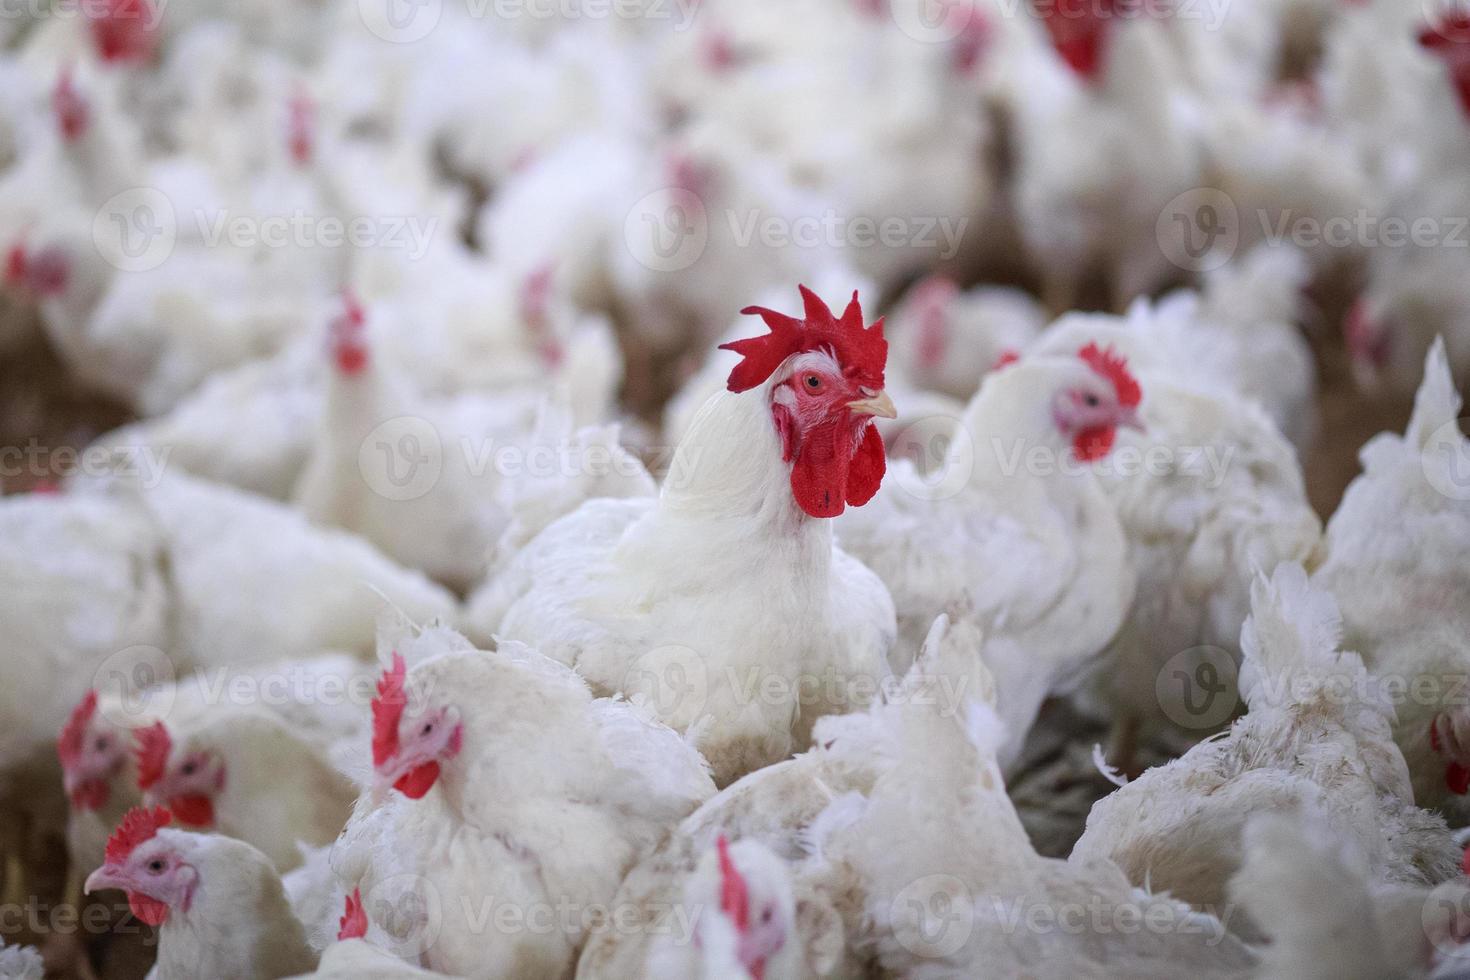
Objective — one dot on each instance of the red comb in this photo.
(153, 747)
(1078, 30)
(387, 710)
(734, 894)
(353, 924)
(69, 743)
(861, 351)
(123, 30)
(70, 108)
(1114, 367)
(138, 825)
(349, 345)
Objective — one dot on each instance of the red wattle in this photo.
(148, 910)
(1091, 445)
(865, 472)
(416, 782)
(1457, 779)
(195, 810)
(91, 795)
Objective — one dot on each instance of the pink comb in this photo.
(861, 351)
(734, 893)
(69, 743)
(349, 341)
(353, 924)
(1114, 367)
(72, 111)
(302, 137)
(153, 745)
(971, 43)
(138, 825)
(123, 30)
(387, 710)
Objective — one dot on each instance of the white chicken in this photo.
(320, 699)
(1032, 550)
(194, 888)
(1206, 495)
(383, 465)
(1103, 144)
(232, 554)
(621, 589)
(248, 773)
(1406, 520)
(85, 596)
(774, 817)
(518, 821)
(1326, 917)
(947, 884)
(1316, 733)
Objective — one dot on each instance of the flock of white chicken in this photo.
(484, 588)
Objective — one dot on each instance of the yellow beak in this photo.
(878, 405)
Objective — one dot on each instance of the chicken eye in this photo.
(189, 768)
(1091, 401)
(156, 866)
(428, 727)
(101, 744)
(813, 382)
(766, 914)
